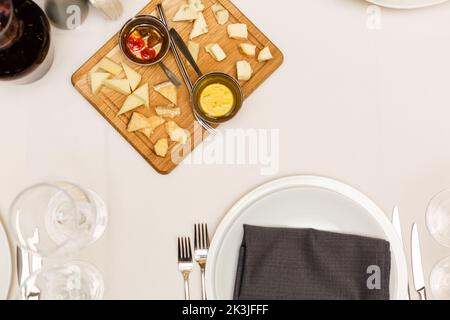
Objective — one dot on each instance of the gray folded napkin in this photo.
(307, 264)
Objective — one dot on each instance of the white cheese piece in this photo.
(197, 5)
(132, 102)
(138, 122)
(142, 93)
(248, 49)
(161, 147)
(222, 15)
(110, 66)
(194, 49)
(238, 31)
(185, 13)
(176, 133)
(168, 112)
(120, 85)
(244, 70)
(97, 79)
(216, 51)
(147, 132)
(168, 91)
(133, 77)
(200, 27)
(265, 55)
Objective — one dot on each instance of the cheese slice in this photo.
(110, 66)
(244, 70)
(222, 15)
(197, 5)
(132, 102)
(265, 55)
(119, 85)
(161, 147)
(185, 13)
(248, 49)
(97, 79)
(176, 133)
(168, 112)
(138, 122)
(142, 93)
(200, 27)
(168, 91)
(238, 31)
(147, 132)
(133, 76)
(194, 49)
(216, 51)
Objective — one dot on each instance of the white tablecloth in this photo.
(368, 107)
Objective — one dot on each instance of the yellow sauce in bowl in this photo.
(216, 100)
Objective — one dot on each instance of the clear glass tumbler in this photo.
(55, 219)
(70, 281)
(438, 218)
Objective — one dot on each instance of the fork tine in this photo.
(189, 249)
(195, 237)
(206, 236)
(179, 249)
(184, 248)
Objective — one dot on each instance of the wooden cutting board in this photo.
(108, 102)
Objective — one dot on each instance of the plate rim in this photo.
(8, 256)
(314, 181)
(426, 3)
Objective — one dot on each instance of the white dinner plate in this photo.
(300, 202)
(5, 264)
(406, 4)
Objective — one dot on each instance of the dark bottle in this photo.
(25, 43)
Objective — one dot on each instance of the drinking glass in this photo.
(55, 219)
(75, 280)
(438, 218)
(440, 280)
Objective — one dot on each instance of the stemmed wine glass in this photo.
(55, 219)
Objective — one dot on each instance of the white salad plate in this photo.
(5, 264)
(300, 202)
(406, 4)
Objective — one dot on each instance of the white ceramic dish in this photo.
(299, 202)
(406, 4)
(5, 264)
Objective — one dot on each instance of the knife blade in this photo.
(398, 230)
(417, 267)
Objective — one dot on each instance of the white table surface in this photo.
(368, 107)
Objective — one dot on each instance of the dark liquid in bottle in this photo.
(30, 40)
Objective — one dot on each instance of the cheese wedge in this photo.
(244, 70)
(142, 92)
(248, 49)
(238, 31)
(161, 147)
(110, 66)
(265, 55)
(120, 85)
(97, 79)
(133, 76)
(194, 49)
(222, 15)
(185, 13)
(132, 102)
(168, 91)
(138, 122)
(147, 132)
(200, 27)
(197, 5)
(215, 50)
(176, 133)
(168, 112)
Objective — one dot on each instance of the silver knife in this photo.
(417, 267)
(398, 229)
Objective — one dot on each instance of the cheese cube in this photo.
(244, 70)
(248, 49)
(265, 55)
(222, 15)
(238, 31)
(216, 51)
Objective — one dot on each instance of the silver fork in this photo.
(185, 264)
(201, 246)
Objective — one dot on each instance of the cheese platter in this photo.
(123, 82)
